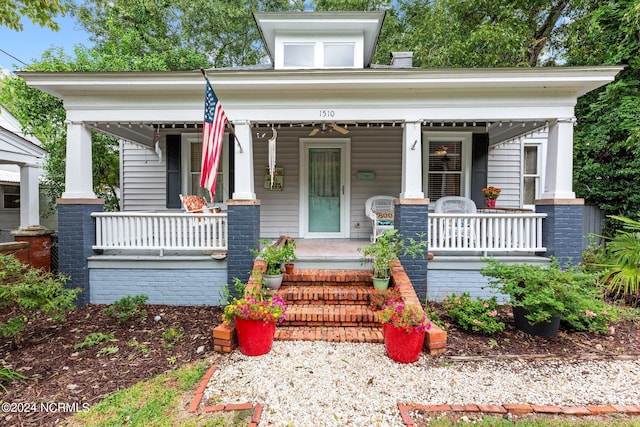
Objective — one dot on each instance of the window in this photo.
(447, 157)
(531, 174)
(299, 55)
(10, 196)
(338, 55)
(192, 164)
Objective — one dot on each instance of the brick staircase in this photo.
(332, 305)
(329, 305)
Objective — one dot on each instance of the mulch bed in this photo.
(56, 372)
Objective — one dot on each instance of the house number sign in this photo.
(327, 114)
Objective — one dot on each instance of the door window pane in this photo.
(338, 55)
(324, 189)
(298, 55)
(531, 177)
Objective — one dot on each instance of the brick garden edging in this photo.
(197, 400)
(517, 409)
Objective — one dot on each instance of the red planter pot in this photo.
(255, 337)
(402, 346)
(491, 203)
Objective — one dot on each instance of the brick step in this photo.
(328, 277)
(330, 315)
(331, 334)
(328, 295)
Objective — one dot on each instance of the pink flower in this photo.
(612, 330)
(493, 313)
(486, 305)
(589, 313)
(476, 322)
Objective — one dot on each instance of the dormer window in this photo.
(312, 40)
(330, 51)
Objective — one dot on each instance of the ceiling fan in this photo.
(323, 128)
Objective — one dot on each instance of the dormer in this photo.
(320, 40)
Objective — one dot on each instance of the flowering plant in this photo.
(256, 307)
(411, 318)
(491, 192)
(478, 315)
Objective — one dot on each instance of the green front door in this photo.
(325, 190)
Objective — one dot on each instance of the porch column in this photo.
(78, 182)
(558, 182)
(412, 161)
(243, 163)
(29, 196)
(412, 221)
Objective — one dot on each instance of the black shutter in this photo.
(173, 153)
(231, 166)
(479, 166)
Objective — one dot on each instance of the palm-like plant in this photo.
(622, 274)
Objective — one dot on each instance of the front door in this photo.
(324, 175)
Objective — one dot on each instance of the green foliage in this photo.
(622, 263)
(128, 307)
(255, 305)
(389, 247)
(27, 293)
(379, 297)
(109, 350)
(477, 315)
(238, 289)
(549, 290)
(93, 339)
(411, 318)
(172, 334)
(8, 375)
(37, 11)
(273, 255)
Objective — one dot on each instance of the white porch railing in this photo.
(160, 231)
(486, 232)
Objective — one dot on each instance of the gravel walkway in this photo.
(337, 384)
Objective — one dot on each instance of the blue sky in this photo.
(30, 43)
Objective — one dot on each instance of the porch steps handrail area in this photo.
(160, 231)
(486, 232)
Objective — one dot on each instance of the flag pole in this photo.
(233, 131)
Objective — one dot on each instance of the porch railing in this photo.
(486, 232)
(160, 231)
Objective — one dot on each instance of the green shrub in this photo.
(547, 290)
(93, 339)
(622, 263)
(26, 293)
(127, 308)
(477, 315)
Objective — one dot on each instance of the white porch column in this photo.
(412, 161)
(78, 181)
(29, 196)
(558, 182)
(243, 162)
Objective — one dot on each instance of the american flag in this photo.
(212, 136)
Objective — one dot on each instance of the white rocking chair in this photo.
(380, 210)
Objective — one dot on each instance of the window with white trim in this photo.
(531, 174)
(447, 159)
(10, 196)
(329, 51)
(192, 164)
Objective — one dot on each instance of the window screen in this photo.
(445, 168)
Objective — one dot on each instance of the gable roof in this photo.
(16, 147)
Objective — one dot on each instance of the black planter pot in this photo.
(544, 329)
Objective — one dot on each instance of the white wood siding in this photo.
(143, 179)
(372, 149)
(504, 171)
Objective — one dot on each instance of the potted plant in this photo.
(543, 295)
(289, 255)
(403, 327)
(490, 195)
(274, 256)
(255, 318)
(389, 247)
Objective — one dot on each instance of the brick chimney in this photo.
(402, 59)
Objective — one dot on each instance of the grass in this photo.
(160, 401)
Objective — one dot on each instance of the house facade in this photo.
(342, 130)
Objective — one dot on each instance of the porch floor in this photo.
(339, 254)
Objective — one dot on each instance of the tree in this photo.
(607, 135)
(39, 12)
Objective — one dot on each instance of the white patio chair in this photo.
(457, 226)
(380, 210)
